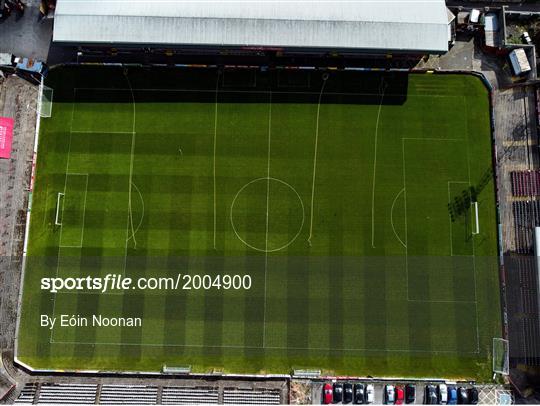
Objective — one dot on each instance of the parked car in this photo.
(473, 396)
(359, 393)
(430, 396)
(347, 393)
(327, 394)
(400, 395)
(370, 393)
(410, 393)
(452, 395)
(463, 396)
(389, 394)
(443, 394)
(338, 392)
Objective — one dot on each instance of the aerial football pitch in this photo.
(265, 221)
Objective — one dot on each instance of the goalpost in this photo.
(45, 101)
(57, 220)
(501, 364)
(476, 226)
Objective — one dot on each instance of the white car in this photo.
(370, 394)
(443, 394)
(389, 394)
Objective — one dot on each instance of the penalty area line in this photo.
(60, 234)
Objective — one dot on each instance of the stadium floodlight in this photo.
(500, 356)
(57, 220)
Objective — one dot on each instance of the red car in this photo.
(327, 394)
(400, 395)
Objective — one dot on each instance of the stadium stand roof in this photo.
(400, 25)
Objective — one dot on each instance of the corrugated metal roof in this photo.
(368, 24)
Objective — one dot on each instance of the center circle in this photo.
(267, 214)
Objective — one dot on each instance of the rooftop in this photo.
(419, 25)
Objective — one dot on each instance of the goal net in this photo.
(500, 356)
(45, 102)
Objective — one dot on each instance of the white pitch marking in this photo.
(325, 78)
(262, 249)
(442, 96)
(100, 132)
(132, 157)
(473, 248)
(142, 215)
(383, 89)
(65, 186)
(129, 220)
(405, 208)
(392, 218)
(267, 213)
(84, 212)
(431, 139)
(406, 350)
(214, 156)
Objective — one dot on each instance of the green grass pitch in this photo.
(346, 198)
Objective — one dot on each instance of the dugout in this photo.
(249, 31)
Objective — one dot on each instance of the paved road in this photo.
(26, 36)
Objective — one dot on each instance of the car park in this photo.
(430, 395)
(370, 393)
(452, 395)
(443, 394)
(473, 396)
(359, 393)
(347, 393)
(463, 396)
(338, 392)
(400, 395)
(410, 393)
(389, 394)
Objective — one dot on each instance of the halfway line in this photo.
(267, 214)
(215, 148)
